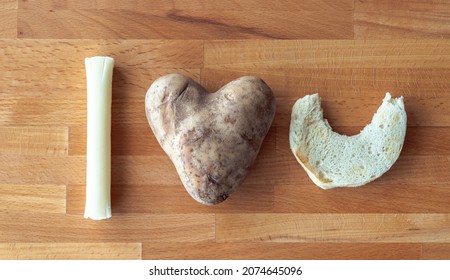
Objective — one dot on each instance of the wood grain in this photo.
(70, 251)
(358, 111)
(350, 97)
(72, 170)
(305, 197)
(177, 24)
(340, 82)
(57, 111)
(408, 5)
(350, 52)
(139, 5)
(128, 53)
(42, 170)
(125, 170)
(32, 199)
(48, 112)
(339, 228)
(22, 227)
(31, 140)
(8, 4)
(419, 141)
(394, 24)
(437, 251)
(283, 251)
(135, 199)
(68, 81)
(401, 19)
(8, 22)
(327, 54)
(144, 142)
(408, 170)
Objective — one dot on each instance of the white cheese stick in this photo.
(99, 70)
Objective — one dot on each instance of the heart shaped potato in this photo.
(211, 138)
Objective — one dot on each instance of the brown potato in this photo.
(212, 138)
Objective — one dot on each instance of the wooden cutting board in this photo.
(350, 52)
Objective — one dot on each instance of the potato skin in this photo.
(212, 138)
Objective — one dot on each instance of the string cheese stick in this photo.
(99, 71)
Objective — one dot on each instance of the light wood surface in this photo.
(349, 51)
(71, 251)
